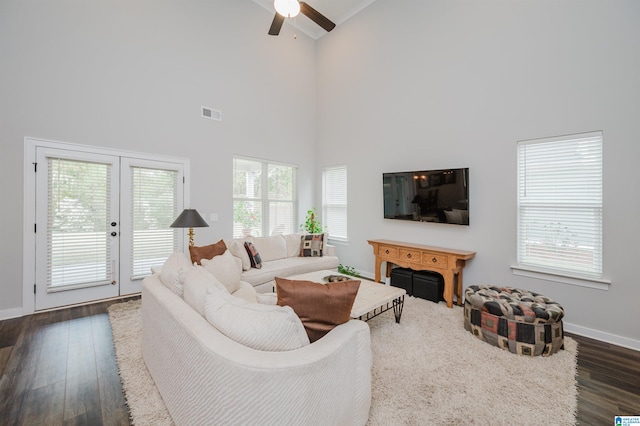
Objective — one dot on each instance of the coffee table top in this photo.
(371, 295)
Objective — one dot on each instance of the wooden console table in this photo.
(448, 262)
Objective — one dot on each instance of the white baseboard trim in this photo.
(614, 339)
(11, 313)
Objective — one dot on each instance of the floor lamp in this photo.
(189, 218)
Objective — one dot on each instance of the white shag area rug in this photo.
(427, 370)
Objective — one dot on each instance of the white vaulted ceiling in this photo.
(337, 11)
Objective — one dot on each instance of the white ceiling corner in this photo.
(337, 11)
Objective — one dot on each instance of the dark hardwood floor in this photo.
(59, 368)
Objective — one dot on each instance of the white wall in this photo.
(133, 75)
(437, 84)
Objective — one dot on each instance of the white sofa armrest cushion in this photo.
(225, 269)
(271, 248)
(197, 281)
(329, 250)
(257, 326)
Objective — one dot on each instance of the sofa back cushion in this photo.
(271, 248)
(197, 282)
(321, 307)
(225, 269)
(258, 326)
(292, 242)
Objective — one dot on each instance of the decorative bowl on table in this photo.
(336, 278)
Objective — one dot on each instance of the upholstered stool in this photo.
(517, 320)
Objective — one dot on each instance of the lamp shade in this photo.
(287, 8)
(189, 218)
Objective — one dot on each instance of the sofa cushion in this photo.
(311, 245)
(225, 269)
(321, 307)
(287, 267)
(169, 275)
(207, 252)
(271, 248)
(236, 247)
(246, 292)
(292, 242)
(258, 326)
(197, 282)
(254, 256)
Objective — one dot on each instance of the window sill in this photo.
(526, 271)
(338, 241)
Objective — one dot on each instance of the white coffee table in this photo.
(372, 298)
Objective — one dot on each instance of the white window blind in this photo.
(334, 201)
(560, 204)
(154, 206)
(78, 241)
(264, 198)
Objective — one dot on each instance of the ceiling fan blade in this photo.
(276, 25)
(316, 16)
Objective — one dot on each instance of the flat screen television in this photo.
(438, 196)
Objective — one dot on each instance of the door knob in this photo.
(114, 223)
(113, 234)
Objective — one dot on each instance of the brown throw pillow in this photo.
(321, 307)
(207, 252)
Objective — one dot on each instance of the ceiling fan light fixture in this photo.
(287, 8)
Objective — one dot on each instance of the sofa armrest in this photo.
(330, 250)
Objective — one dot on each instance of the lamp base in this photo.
(191, 236)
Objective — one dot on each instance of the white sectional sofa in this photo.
(280, 257)
(201, 345)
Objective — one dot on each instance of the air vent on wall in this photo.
(211, 113)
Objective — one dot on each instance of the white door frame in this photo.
(29, 203)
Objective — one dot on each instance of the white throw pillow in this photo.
(271, 248)
(197, 282)
(169, 275)
(257, 326)
(236, 247)
(225, 269)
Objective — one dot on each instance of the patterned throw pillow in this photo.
(311, 245)
(254, 256)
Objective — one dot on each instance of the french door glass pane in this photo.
(78, 208)
(154, 205)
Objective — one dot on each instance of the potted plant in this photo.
(348, 270)
(311, 224)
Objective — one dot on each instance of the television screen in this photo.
(439, 196)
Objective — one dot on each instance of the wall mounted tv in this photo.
(438, 196)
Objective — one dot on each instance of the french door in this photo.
(102, 221)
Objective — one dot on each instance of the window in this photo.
(154, 206)
(264, 198)
(334, 201)
(560, 204)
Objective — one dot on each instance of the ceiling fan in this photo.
(290, 8)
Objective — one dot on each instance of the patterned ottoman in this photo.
(525, 323)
